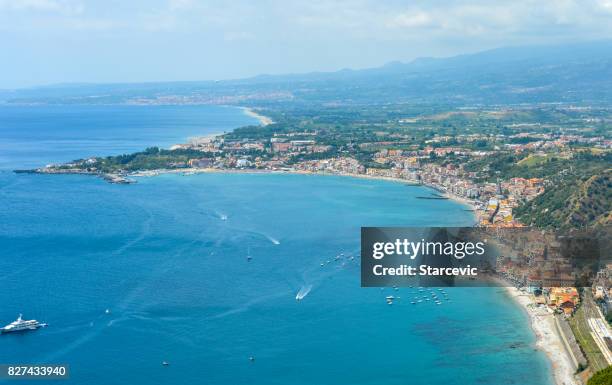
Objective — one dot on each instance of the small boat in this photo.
(165, 363)
(107, 311)
(252, 359)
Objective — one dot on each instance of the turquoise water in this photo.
(168, 258)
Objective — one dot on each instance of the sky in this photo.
(64, 41)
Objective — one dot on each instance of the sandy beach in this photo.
(458, 199)
(263, 120)
(547, 338)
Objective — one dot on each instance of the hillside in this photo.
(583, 200)
(579, 73)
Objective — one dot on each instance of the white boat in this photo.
(21, 325)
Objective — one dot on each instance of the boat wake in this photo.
(303, 292)
(247, 305)
(273, 240)
(144, 232)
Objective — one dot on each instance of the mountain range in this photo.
(576, 73)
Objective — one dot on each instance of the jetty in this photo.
(433, 197)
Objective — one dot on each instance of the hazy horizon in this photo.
(78, 41)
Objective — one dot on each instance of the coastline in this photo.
(190, 171)
(263, 120)
(548, 340)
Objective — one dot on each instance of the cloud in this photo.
(52, 6)
(605, 5)
(175, 5)
(386, 20)
(411, 19)
(446, 25)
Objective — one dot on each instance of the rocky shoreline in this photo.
(118, 178)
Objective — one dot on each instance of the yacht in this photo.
(21, 325)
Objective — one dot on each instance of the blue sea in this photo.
(168, 258)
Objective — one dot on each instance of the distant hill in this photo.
(578, 73)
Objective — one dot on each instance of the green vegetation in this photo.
(578, 189)
(603, 377)
(580, 195)
(582, 332)
(151, 159)
(492, 144)
(413, 125)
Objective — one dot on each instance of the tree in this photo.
(603, 377)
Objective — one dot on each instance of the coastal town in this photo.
(453, 166)
(508, 180)
(306, 192)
